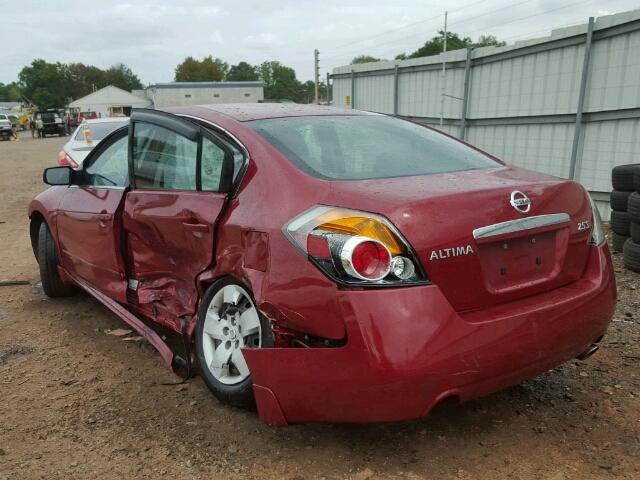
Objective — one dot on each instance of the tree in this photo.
(242, 72)
(121, 76)
(436, 45)
(46, 84)
(280, 82)
(53, 85)
(208, 69)
(365, 59)
(488, 40)
(85, 78)
(10, 92)
(454, 42)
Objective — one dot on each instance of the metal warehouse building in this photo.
(177, 94)
(567, 104)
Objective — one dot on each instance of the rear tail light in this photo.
(65, 160)
(355, 248)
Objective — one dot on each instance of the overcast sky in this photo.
(152, 37)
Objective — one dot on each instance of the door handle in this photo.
(196, 227)
(104, 219)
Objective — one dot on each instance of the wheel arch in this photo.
(37, 219)
(209, 277)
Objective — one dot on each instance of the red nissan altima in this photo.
(327, 264)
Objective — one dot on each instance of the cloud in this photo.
(262, 40)
(152, 37)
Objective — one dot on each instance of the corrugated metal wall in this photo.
(522, 99)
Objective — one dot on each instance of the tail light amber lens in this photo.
(354, 247)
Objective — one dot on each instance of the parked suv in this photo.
(52, 123)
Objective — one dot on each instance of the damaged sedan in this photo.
(326, 264)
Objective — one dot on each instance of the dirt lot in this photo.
(78, 403)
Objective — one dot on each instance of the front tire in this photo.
(52, 284)
(228, 321)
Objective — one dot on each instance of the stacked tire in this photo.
(625, 214)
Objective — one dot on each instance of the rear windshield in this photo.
(98, 130)
(367, 146)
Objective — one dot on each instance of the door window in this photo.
(163, 159)
(109, 168)
(212, 162)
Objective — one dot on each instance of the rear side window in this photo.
(163, 159)
(98, 130)
(212, 163)
(367, 146)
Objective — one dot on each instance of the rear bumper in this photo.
(408, 349)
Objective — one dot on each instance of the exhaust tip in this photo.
(593, 348)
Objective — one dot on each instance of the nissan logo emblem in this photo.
(520, 202)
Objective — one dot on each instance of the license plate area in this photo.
(521, 262)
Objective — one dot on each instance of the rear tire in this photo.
(618, 200)
(620, 223)
(617, 242)
(52, 284)
(633, 207)
(622, 177)
(635, 232)
(228, 320)
(631, 257)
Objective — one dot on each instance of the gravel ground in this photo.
(77, 403)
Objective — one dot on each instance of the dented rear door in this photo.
(179, 181)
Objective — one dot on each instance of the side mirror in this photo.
(57, 176)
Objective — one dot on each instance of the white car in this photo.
(85, 138)
(5, 126)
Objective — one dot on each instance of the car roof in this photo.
(106, 120)
(245, 112)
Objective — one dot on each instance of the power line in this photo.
(543, 13)
(486, 27)
(435, 17)
(400, 39)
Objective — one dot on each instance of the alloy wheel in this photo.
(231, 323)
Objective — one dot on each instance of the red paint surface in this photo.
(408, 349)
(474, 330)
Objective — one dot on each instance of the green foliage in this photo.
(454, 42)
(488, 40)
(208, 69)
(46, 84)
(53, 85)
(436, 45)
(242, 72)
(280, 82)
(364, 59)
(10, 92)
(121, 76)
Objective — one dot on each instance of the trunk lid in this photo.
(473, 244)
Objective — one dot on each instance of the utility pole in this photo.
(316, 73)
(328, 88)
(444, 70)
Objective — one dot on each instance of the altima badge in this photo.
(520, 201)
(451, 252)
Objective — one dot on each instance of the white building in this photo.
(110, 101)
(181, 94)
